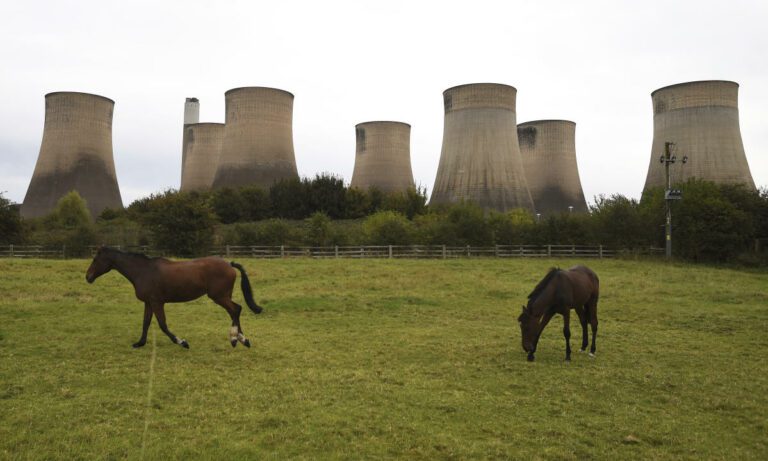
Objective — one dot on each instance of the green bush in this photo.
(179, 222)
(11, 228)
(512, 228)
(388, 228)
(68, 225)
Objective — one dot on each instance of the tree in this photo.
(11, 229)
(179, 222)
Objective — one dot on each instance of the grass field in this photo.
(379, 359)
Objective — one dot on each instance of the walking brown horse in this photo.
(558, 292)
(158, 281)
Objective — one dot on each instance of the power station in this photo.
(75, 154)
(480, 160)
(702, 120)
(202, 148)
(548, 148)
(383, 156)
(257, 148)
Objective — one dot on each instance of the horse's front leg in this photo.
(543, 323)
(567, 333)
(145, 326)
(159, 311)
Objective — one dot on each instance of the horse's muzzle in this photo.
(89, 278)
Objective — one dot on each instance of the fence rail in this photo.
(356, 251)
(417, 251)
(32, 251)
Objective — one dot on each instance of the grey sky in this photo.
(593, 62)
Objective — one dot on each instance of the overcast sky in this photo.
(346, 62)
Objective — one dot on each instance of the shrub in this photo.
(289, 199)
(11, 228)
(388, 228)
(179, 222)
(319, 229)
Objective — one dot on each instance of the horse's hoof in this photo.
(592, 354)
(583, 350)
(233, 342)
(530, 358)
(567, 360)
(138, 344)
(184, 344)
(246, 343)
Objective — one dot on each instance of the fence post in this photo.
(282, 251)
(64, 252)
(390, 252)
(227, 251)
(444, 255)
(336, 252)
(11, 251)
(549, 251)
(600, 252)
(573, 250)
(497, 251)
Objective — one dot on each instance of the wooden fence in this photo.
(357, 251)
(418, 251)
(32, 251)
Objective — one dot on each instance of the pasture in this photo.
(377, 359)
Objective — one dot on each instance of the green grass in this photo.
(381, 359)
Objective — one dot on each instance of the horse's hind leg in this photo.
(592, 314)
(160, 314)
(145, 326)
(235, 330)
(581, 311)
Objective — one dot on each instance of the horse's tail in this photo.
(245, 285)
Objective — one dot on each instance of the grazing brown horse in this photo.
(558, 292)
(158, 281)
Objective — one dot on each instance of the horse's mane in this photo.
(543, 284)
(131, 253)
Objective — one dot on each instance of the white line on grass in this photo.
(148, 410)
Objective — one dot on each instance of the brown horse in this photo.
(558, 292)
(158, 281)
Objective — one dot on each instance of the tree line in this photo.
(712, 223)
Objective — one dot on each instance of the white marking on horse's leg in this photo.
(179, 341)
(591, 354)
(233, 333)
(241, 338)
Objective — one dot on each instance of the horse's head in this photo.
(527, 329)
(100, 265)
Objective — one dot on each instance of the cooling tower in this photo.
(257, 148)
(191, 115)
(202, 144)
(383, 156)
(76, 154)
(702, 119)
(480, 160)
(548, 148)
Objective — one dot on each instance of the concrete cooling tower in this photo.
(257, 148)
(383, 156)
(480, 160)
(202, 145)
(76, 154)
(702, 119)
(548, 148)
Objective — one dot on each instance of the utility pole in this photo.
(670, 194)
